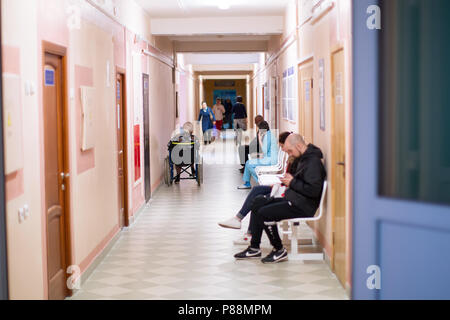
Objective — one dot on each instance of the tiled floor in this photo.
(176, 251)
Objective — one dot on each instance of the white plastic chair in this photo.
(294, 224)
(275, 168)
(274, 178)
(280, 171)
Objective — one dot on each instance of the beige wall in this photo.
(332, 31)
(186, 86)
(94, 192)
(25, 250)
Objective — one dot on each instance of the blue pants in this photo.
(250, 168)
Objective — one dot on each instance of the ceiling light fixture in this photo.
(224, 6)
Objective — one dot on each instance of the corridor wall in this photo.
(312, 38)
(96, 45)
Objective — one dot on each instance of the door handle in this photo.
(341, 164)
(120, 152)
(65, 175)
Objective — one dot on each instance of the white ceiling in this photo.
(222, 59)
(212, 38)
(222, 67)
(209, 8)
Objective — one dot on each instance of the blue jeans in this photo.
(250, 169)
(257, 191)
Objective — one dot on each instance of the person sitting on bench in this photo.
(269, 147)
(253, 148)
(301, 200)
(236, 222)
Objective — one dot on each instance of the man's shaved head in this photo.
(295, 139)
(295, 145)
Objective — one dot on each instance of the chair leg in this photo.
(294, 240)
(295, 252)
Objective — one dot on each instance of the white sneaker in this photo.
(243, 240)
(232, 223)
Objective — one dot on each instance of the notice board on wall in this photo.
(88, 118)
(322, 93)
(12, 123)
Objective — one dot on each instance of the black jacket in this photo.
(305, 190)
(254, 146)
(239, 110)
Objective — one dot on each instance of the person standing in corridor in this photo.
(228, 111)
(208, 121)
(219, 111)
(240, 118)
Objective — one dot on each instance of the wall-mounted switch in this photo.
(26, 210)
(30, 88)
(21, 215)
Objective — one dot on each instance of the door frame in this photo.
(333, 173)
(301, 124)
(274, 108)
(48, 47)
(4, 295)
(124, 123)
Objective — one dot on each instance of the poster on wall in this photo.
(322, 93)
(291, 95)
(137, 152)
(284, 98)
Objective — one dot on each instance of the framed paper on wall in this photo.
(322, 93)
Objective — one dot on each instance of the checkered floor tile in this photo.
(176, 250)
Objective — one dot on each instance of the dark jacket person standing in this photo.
(301, 200)
(252, 148)
(240, 114)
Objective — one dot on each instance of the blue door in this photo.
(224, 95)
(401, 224)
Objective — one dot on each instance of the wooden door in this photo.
(122, 150)
(339, 166)
(56, 177)
(146, 106)
(306, 111)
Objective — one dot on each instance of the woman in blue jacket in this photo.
(208, 121)
(270, 155)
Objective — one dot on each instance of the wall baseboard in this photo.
(86, 274)
(136, 216)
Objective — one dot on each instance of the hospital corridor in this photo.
(186, 256)
(255, 151)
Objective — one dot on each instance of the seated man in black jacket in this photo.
(301, 200)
